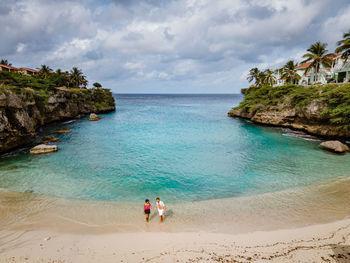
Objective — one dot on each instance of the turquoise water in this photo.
(178, 147)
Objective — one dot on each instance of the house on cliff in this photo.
(27, 71)
(24, 71)
(7, 68)
(338, 73)
(341, 69)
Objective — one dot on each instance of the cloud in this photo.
(140, 45)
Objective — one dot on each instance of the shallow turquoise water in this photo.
(178, 147)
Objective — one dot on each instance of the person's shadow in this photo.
(168, 213)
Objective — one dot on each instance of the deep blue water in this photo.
(178, 147)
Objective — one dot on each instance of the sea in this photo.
(182, 148)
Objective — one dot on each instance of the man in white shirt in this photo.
(161, 208)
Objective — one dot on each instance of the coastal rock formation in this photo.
(302, 108)
(94, 117)
(48, 139)
(23, 111)
(286, 115)
(335, 146)
(63, 131)
(43, 148)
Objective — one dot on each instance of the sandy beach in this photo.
(307, 224)
(318, 243)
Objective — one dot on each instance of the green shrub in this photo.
(335, 96)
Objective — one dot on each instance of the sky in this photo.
(167, 46)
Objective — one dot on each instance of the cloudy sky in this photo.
(167, 46)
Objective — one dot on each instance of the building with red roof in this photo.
(339, 72)
(7, 68)
(25, 71)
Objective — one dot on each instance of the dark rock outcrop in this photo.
(63, 131)
(48, 139)
(22, 113)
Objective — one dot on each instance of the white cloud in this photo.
(192, 43)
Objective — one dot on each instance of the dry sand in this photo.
(318, 243)
(35, 228)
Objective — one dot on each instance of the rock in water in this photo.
(43, 148)
(94, 117)
(48, 139)
(63, 131)
(335, 146)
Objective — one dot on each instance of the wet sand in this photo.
(323, 202)
(36, 228)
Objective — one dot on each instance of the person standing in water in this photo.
(161, 208)
(147, 209)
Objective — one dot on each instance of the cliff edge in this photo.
(24, 110)
(322, 110)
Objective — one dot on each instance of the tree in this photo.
(261, 78)
(344, 46)
(317, 55)
(77, 79)
(268, 78)
(289, 72)
(5, 62)
(254, 76)
(44, 71)
(60, 78)
(97, 85)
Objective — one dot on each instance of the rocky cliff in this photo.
(23, 111)
(319, 110)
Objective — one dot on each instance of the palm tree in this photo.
(289, 72)
(254, 75)
(97, 85)
(77, 79)
(344, 46)
(60, 78)
(44, 71)
(261, 78)
(5, 62)
(269, 78)
(317, 56)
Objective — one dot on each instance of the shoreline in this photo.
(308, 224)
(322, 202)
(296, 128)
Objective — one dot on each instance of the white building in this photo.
(341, 70)
(338, 73)
(278, 76)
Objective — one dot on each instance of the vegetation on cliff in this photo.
(29, 102)
(46, 84)
(335, 97)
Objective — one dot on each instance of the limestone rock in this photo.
(335, 146)
(239, 113)
(43, 148)
(94, 117)
(23, 112)
(309, 118)
(52, 100)
(63, 131)
(48, 139)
